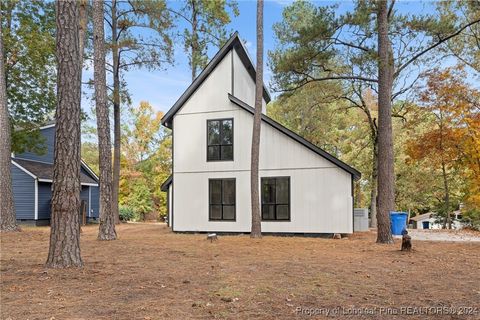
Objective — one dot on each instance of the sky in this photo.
(161, 88)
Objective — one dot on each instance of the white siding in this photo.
(277, 151)
(212, 93)
(321, 200)
(170, 205)
(321, 195)
(211, 96)
(244, 88)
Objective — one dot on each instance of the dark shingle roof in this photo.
(44, 170)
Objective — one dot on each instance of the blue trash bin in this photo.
(398, 222)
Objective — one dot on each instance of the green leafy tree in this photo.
(372, 46)
(146, 160)
(466, 46)
(132, 48)
(206, 22)
(28, 32)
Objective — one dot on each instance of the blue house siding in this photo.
(44, 200)
(84, 196)
(49, 144)
(95, 202)
(23, 187)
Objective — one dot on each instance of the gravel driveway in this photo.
(443, 235)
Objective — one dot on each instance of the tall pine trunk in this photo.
(386, 182)
(194, 44)
(116, 114)
(256, 231)
(374, 183)
(106, 229)
(64, 248)
(83, 20)
(7, 208)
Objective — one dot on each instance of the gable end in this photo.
(233, 43)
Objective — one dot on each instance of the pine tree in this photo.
(106, 229)
(7, 208)
(256, 231)
(64, 250)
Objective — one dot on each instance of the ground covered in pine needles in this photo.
(152, 273)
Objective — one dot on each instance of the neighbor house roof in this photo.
(298, 138)
(233, 43)
(422, 216)
(166, 183)
(44, 171)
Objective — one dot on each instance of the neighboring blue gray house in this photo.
(32, 183)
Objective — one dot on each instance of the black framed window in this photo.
(221, 193)
(220, 140)
(276, 198)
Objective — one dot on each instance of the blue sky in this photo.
(163, 87)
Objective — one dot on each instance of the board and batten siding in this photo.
(321, 192)
(44, 200)
(23, 186)
(169, 194)
(49, 145)
(211, 96)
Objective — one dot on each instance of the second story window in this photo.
(220, 140)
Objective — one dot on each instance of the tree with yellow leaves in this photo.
(453, 142)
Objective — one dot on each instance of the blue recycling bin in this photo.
(398, 222)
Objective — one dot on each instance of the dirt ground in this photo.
(152, 273)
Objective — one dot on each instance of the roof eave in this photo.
(166, 183)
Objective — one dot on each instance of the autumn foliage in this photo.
(453, 141)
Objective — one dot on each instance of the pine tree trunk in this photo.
(386, 182)
(116, 115)
(64, 248)
(7, 207)
(374, 183)
(106, 229)
(194, 44)
(256, 231)
(83, 20)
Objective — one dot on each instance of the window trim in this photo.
(233, 140)
(289, 200)
(234, 205)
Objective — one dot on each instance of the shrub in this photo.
(471, 219)
(126, 213)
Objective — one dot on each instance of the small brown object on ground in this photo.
(406, 242)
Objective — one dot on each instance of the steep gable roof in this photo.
(233, 43)
(356, 174)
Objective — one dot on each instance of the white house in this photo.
(430, 221)
(303, 188)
